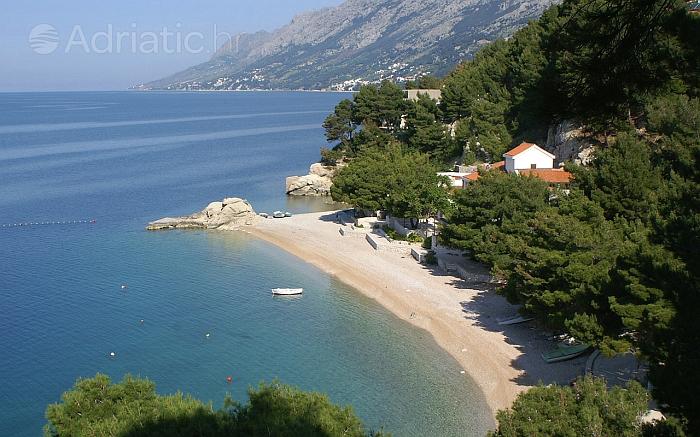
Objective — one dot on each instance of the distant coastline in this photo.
(242, 91)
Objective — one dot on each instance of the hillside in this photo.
(357, 42)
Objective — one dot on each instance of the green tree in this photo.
(383, 105)
(404, 183)
(339, 125)
(622, 179)
(607, 55)
(95, 407)
(588, 408)
(285, 411)
(486, 205)
(424, 83)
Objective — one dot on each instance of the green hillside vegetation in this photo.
(586, 409)
(614, 260)
(96, 407)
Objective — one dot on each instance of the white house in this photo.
(456, 178)
(527, 160)
(526, 157)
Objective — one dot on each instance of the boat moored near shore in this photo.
(287, 291)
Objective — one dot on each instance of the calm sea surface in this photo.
(123, 159)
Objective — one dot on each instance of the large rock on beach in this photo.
(229, 214)
(317, 183)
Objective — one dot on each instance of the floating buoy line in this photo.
(50, 223)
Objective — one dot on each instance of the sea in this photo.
(81, 174)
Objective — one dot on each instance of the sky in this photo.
(53, 45)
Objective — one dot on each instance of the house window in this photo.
(533, 166)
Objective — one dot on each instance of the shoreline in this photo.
(502, 361)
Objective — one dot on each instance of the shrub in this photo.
(96, 407)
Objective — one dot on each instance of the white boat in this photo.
(514, 320)
(287, 291)
(278, 214)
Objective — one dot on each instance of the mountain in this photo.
(357, 42)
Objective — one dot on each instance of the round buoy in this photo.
(141, 321)
(208, 335)
(112, 355)
(229, 379)
(124, 287)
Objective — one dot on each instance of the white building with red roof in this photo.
(528, 156)
(528, 160)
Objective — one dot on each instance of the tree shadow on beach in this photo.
(336, 216)
(485, 310)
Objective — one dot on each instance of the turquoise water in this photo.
(125, 158)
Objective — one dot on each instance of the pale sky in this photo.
(107, 45)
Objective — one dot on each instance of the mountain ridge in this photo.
(359, 41)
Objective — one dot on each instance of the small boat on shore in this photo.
(264, 215)
(287, 214)
(278, 214)
(563, 353)
(287, 291)
(514, 320)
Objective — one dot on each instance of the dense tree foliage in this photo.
(379, 115)
(613, 261)
(586, 409)
(96, 407)
(402, 182)
(424, 83)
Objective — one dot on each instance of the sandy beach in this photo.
(460, 316)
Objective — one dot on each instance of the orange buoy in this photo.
(229, 379)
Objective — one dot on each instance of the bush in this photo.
(431, 258)
(330, 157)
(414, 238)
(391, 233)
(588, 408)
(428, 243)
(96, 407)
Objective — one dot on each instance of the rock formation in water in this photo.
(230, 214)
(317, 183)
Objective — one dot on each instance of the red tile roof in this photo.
(498, 164)
(551, 175)
(472, 176)
(520, 149)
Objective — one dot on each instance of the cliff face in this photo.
(356, 42)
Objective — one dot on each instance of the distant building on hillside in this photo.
(433, 94)
(455, 177)
(528, 160)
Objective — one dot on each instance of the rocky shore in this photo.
(229, 214)
(317, 183)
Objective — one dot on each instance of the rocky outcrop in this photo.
(570, 141)
(317, 183)
(229, 214)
